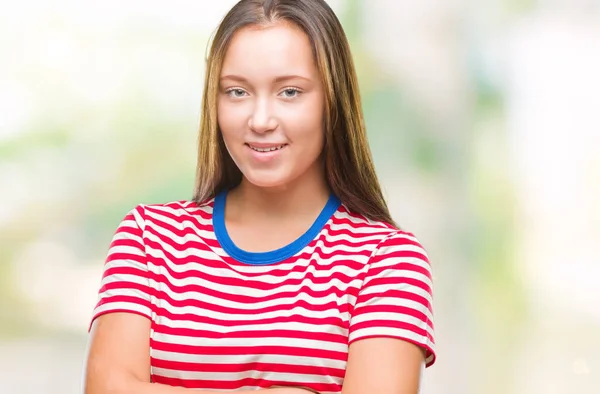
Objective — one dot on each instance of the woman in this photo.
(285, 273)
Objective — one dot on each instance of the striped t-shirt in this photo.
(226, 319)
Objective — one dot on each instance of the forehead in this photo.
(260, 51)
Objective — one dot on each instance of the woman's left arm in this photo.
(383, 366)
(391, 325)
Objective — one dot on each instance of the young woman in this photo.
(285, 273)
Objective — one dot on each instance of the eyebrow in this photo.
(280, 78)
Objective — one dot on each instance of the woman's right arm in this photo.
(118, 360)
(118, 354)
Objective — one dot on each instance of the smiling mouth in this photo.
(267, 149)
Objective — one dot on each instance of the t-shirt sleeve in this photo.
(125, 285)
(395, 299)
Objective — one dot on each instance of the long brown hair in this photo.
(349, 167)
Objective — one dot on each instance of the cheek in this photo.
(229, 122)
(306, 116)
(308, 126)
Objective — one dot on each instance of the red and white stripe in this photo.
(222, 325)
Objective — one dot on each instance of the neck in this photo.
(305, 196)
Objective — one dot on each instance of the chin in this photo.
(267, 181)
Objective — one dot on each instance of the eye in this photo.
(235, 92)
(290, 92)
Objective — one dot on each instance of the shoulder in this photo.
(383, 241)
(171, 213)
(359, 226)
(357, 223)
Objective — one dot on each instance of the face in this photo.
(271, 104)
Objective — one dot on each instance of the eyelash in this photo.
(231, 90)
(291, 88)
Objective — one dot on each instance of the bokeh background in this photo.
(484, 120)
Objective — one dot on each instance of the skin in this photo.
(275, 99)
(257, 105)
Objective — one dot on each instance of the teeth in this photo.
(266, 149)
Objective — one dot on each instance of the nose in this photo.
(262, 120)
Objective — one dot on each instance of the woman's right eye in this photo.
(236, 92)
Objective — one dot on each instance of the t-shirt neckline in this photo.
(274, 256)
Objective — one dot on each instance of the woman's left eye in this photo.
(290, 92)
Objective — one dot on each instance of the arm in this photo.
(391, 329)
(383, 366)
(118, 360)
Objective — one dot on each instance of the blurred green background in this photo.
(484, 122)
